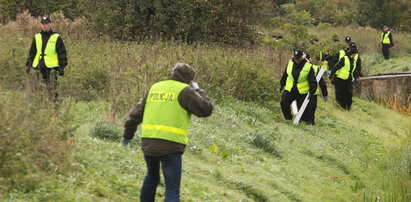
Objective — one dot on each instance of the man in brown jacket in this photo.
(165, 116)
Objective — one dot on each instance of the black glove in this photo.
(28, 68)
(61, 71)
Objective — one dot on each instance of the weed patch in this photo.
(106, 131)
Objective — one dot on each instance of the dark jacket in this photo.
(195, 102)
(312, 82)
(357, 72)
(60, 49)
(334, 59)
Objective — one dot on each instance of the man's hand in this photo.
(325, 98)
(329, 72)
(125, 142)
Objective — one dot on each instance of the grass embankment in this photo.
(243, 151)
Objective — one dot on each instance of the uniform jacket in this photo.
(195, 102)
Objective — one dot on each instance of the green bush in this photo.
(35, 141)
(186, 20)
(106, 131)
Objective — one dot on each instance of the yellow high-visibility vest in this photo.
(325, 62)
(50, 54)
(164, 118)
(342, 54)
(302, 82)
(385, 39)
(345, 71)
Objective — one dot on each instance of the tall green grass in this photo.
(244, 151)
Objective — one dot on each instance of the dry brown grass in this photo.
(28, 25)
(402, 105)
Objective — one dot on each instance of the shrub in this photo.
(34, 140)
(186, 20)
(106, 132)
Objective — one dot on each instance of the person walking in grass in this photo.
(345, 73)
(47, 51)
(164, 114)
(387, 42)
(298, 79)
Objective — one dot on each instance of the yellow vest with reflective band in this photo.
(164, 118)
(385, 39)
(344, 72)
(342, 54)
(316, 68)
(302, 82)
(50, 54)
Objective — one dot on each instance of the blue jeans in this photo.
(171, 165)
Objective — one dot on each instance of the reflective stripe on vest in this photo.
(302, 83)
(344, 72)
(316, 68)
(50, 53)
(385, 39)
(164, 118)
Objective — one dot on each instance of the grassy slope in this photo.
(347, 156)
(377, 64)
(343, 157)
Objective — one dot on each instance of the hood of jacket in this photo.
(183, 73)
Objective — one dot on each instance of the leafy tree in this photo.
(296, 23)
(377, 13)
(10, 8)
(187, 20)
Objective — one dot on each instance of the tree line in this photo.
(227, 21)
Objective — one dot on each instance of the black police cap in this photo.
(353, 45)
(45, 20)
(298, 54)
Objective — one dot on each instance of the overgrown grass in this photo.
(348, 156)
(376, 63)
(35, 140)
(244, 151)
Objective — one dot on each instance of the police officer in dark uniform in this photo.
(298, 80)
(312, 105)
(47, 51)
(387, 42)
(345, 73)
